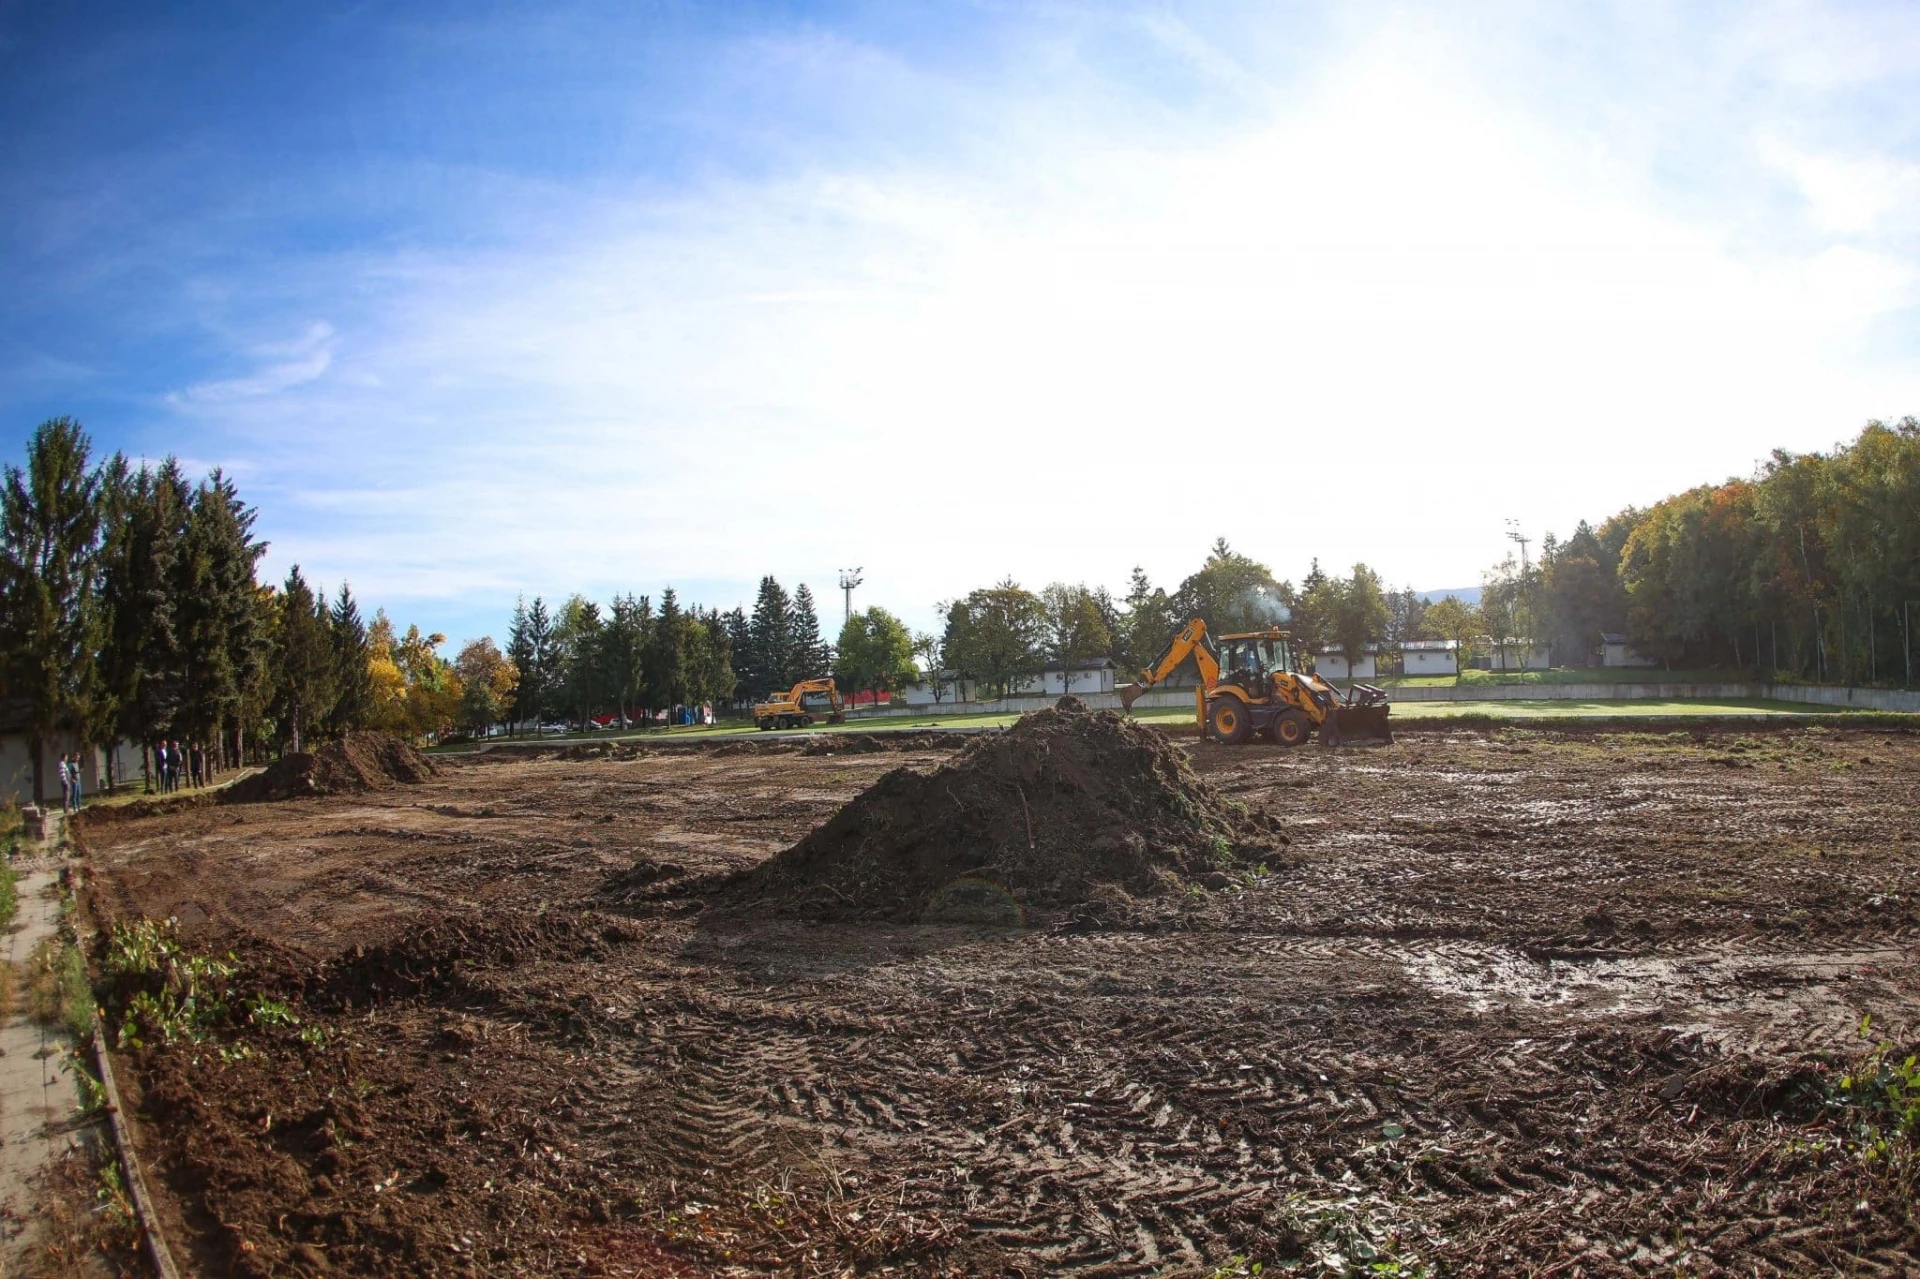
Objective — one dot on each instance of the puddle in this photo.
(1818, 993)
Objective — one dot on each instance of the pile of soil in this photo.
(438, 953)
(898, 739)
(1065, 808)
(359, 762)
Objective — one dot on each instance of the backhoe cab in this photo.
(788, 709)
(1252, 684)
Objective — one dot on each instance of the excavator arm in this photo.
(1192, 642)
(826, 686)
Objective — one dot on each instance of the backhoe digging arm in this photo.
(1192, 642)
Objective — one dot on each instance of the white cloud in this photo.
(290, 364)
(1371, 324)
(1848, 194)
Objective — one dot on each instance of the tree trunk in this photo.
(294, 723)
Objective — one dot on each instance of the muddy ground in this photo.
(1509, 1003)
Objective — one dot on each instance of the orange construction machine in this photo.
(788, 709)
(1251, 684)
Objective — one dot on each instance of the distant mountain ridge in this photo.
(1466, 594)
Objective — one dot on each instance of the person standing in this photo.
(198, 754)
(66, 787)
(77, 777)
(167, 778)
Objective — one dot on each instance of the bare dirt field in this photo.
(1517, 1002)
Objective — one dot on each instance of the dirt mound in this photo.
(358, 762)
(159, 806)
(1066, 807)
(883, 741)
(436, 954)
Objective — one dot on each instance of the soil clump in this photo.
(365, 761)
(1066, 808)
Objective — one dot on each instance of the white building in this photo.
(1331, 663)
(1060, 678)
(1615, 651)
(1513, 654)
(1430, 657)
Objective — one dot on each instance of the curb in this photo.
(143, 1210)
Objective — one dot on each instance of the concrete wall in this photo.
(1158, 698)
(16, 768)
(1878, 699)
(1182, 698)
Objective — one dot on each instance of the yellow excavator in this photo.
(787, 710)
(1251, 684)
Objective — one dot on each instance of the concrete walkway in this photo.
(38, 1102)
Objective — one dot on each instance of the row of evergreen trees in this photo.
(631, 658)
(779, 643)
(580, 660)
(130, 610)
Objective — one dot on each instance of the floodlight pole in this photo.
(849, 578)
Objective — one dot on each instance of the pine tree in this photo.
(220, 626)
(352, 679)
(666, 653)
(546, 656)
(812, 657)
(717, 679)
(303, 664)
(246, 622)
(628, 629)
(532, 648)
(771, 639)
(49, 545)
(739, 646)
(520, 653)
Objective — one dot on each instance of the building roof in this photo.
(1612, 637)
(1091, 664)
(1338, 649)
(1430, 646)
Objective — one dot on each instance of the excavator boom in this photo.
(1192, 642)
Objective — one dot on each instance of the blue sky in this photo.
(481, 299)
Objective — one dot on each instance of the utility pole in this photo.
(849, 578)
(1524, 595)
(1906, 636)
(1515, 535)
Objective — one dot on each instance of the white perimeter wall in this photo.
(1816, 696)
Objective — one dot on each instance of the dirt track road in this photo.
(1514, 1003)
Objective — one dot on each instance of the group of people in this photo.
(179, 764)
(70, 783)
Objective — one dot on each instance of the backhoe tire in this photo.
(1291, 729)
(1229, 721)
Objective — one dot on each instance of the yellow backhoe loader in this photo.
(787, 710)
(1251, 684)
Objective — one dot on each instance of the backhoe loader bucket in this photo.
(1128, 692)
(1361, 719)
(837, 717)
